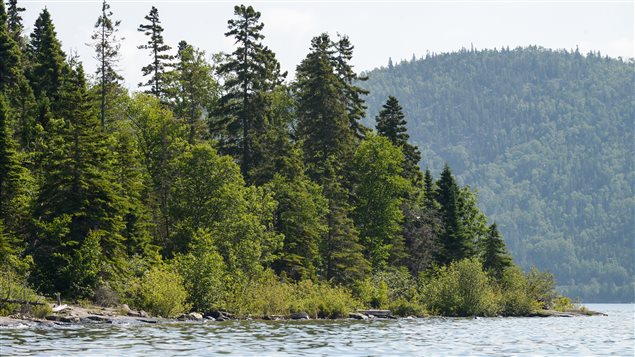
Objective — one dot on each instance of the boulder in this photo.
(299, 316)
(195, 316)
(357, 316)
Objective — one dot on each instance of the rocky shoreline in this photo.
(76, 315)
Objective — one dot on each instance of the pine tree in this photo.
(251, 71)
(323, 123)
(494, 254)
(192, 89)
(355, 105)
(47, 61)
(158, 52)
(429, 190)
(455, 244)
(391, 123)
(106, 45)
(79, 197)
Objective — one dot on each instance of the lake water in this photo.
(556, 336)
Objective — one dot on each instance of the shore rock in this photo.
(299, 316)
(357, 316)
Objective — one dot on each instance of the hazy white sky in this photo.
(378, 29)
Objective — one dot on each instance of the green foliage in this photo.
(494, 255)
(377, 192)
(545, 135)
(515, 299)
(462, 289)
(203, 273)
(15, 287)
(541, 287)
(160, 292)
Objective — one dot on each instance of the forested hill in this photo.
(547, 138)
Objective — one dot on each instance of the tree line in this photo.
(219, 173)
(546, 137)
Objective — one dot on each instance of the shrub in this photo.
(15, 287)
(515, 300)
(105, 296)
(541, 287)
(160, 292)
(403, 307)
(462, 289)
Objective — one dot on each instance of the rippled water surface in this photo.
(595, 335)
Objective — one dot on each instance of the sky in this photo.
(378, 29)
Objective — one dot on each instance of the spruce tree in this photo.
(47, 63)
(355, 105)
(251, 71)
(78, 199)
(106, 45)
(14, 22)
(391, 123)
(158, 52)
(323, 123)
(455, 243)
(192, 90)
(494, 254)
(15, 86)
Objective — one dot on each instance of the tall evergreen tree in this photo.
(158, 52)
(391, 123)
(455, 244)
(47, 63)
(106, 45)
(355, 105)
(21, 103)
(78, 200)
(251, 71)
(494, 254)
(192, 89)
(323, 123)
(14, 22)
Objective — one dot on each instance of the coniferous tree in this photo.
(21, 103)
(342, 253)
(158, 52)
(47, 65)
(391, 123)
(14, 22)
(78, 200)
(323, 123)
(192, 90)
(16, 183)
(355, 105)
(494, 254)
(106, 45)
(455, 244)
(251, 71)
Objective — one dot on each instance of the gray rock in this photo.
(195, 316)
(143, 314)
(299, 316)
(357, 316)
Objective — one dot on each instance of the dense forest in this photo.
(547, 137)
(224, 185)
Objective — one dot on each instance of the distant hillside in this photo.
(547, 138)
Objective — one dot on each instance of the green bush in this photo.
(515, 299)
(462, 289)
(541, 287)
(402, 307)
(160, 292)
